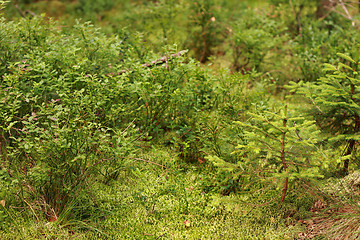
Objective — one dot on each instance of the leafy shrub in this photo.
(55, 104)
(68, 94)
(254, 36)
(165, 93)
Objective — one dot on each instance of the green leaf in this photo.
(329, 67)
(346, 57)
(345, 66)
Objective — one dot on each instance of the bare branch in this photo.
(156, 62)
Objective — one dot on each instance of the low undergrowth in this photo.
(148, 201)
(128, 135)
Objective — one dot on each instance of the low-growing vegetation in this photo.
(179, 119)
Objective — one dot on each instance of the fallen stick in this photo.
(163, 59)
(156, 62)
(23, 14)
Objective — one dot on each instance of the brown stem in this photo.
(348, 152)
(284, 190)
(204, 54)
(352, 142)
(297, 15)
(283, 156)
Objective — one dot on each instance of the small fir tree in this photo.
(205, 31)
(275, 151)
(336, 98)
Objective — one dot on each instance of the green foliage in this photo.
(254, 36)
(7, 192)
(335, 99)
(320, 42)
(160, 20)
(3, 4)
(208, 128)
(68, 97)
(57, 131)
(94, 6)
(275, 151)
(83, 114)
(204, 28)
(168, 95)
